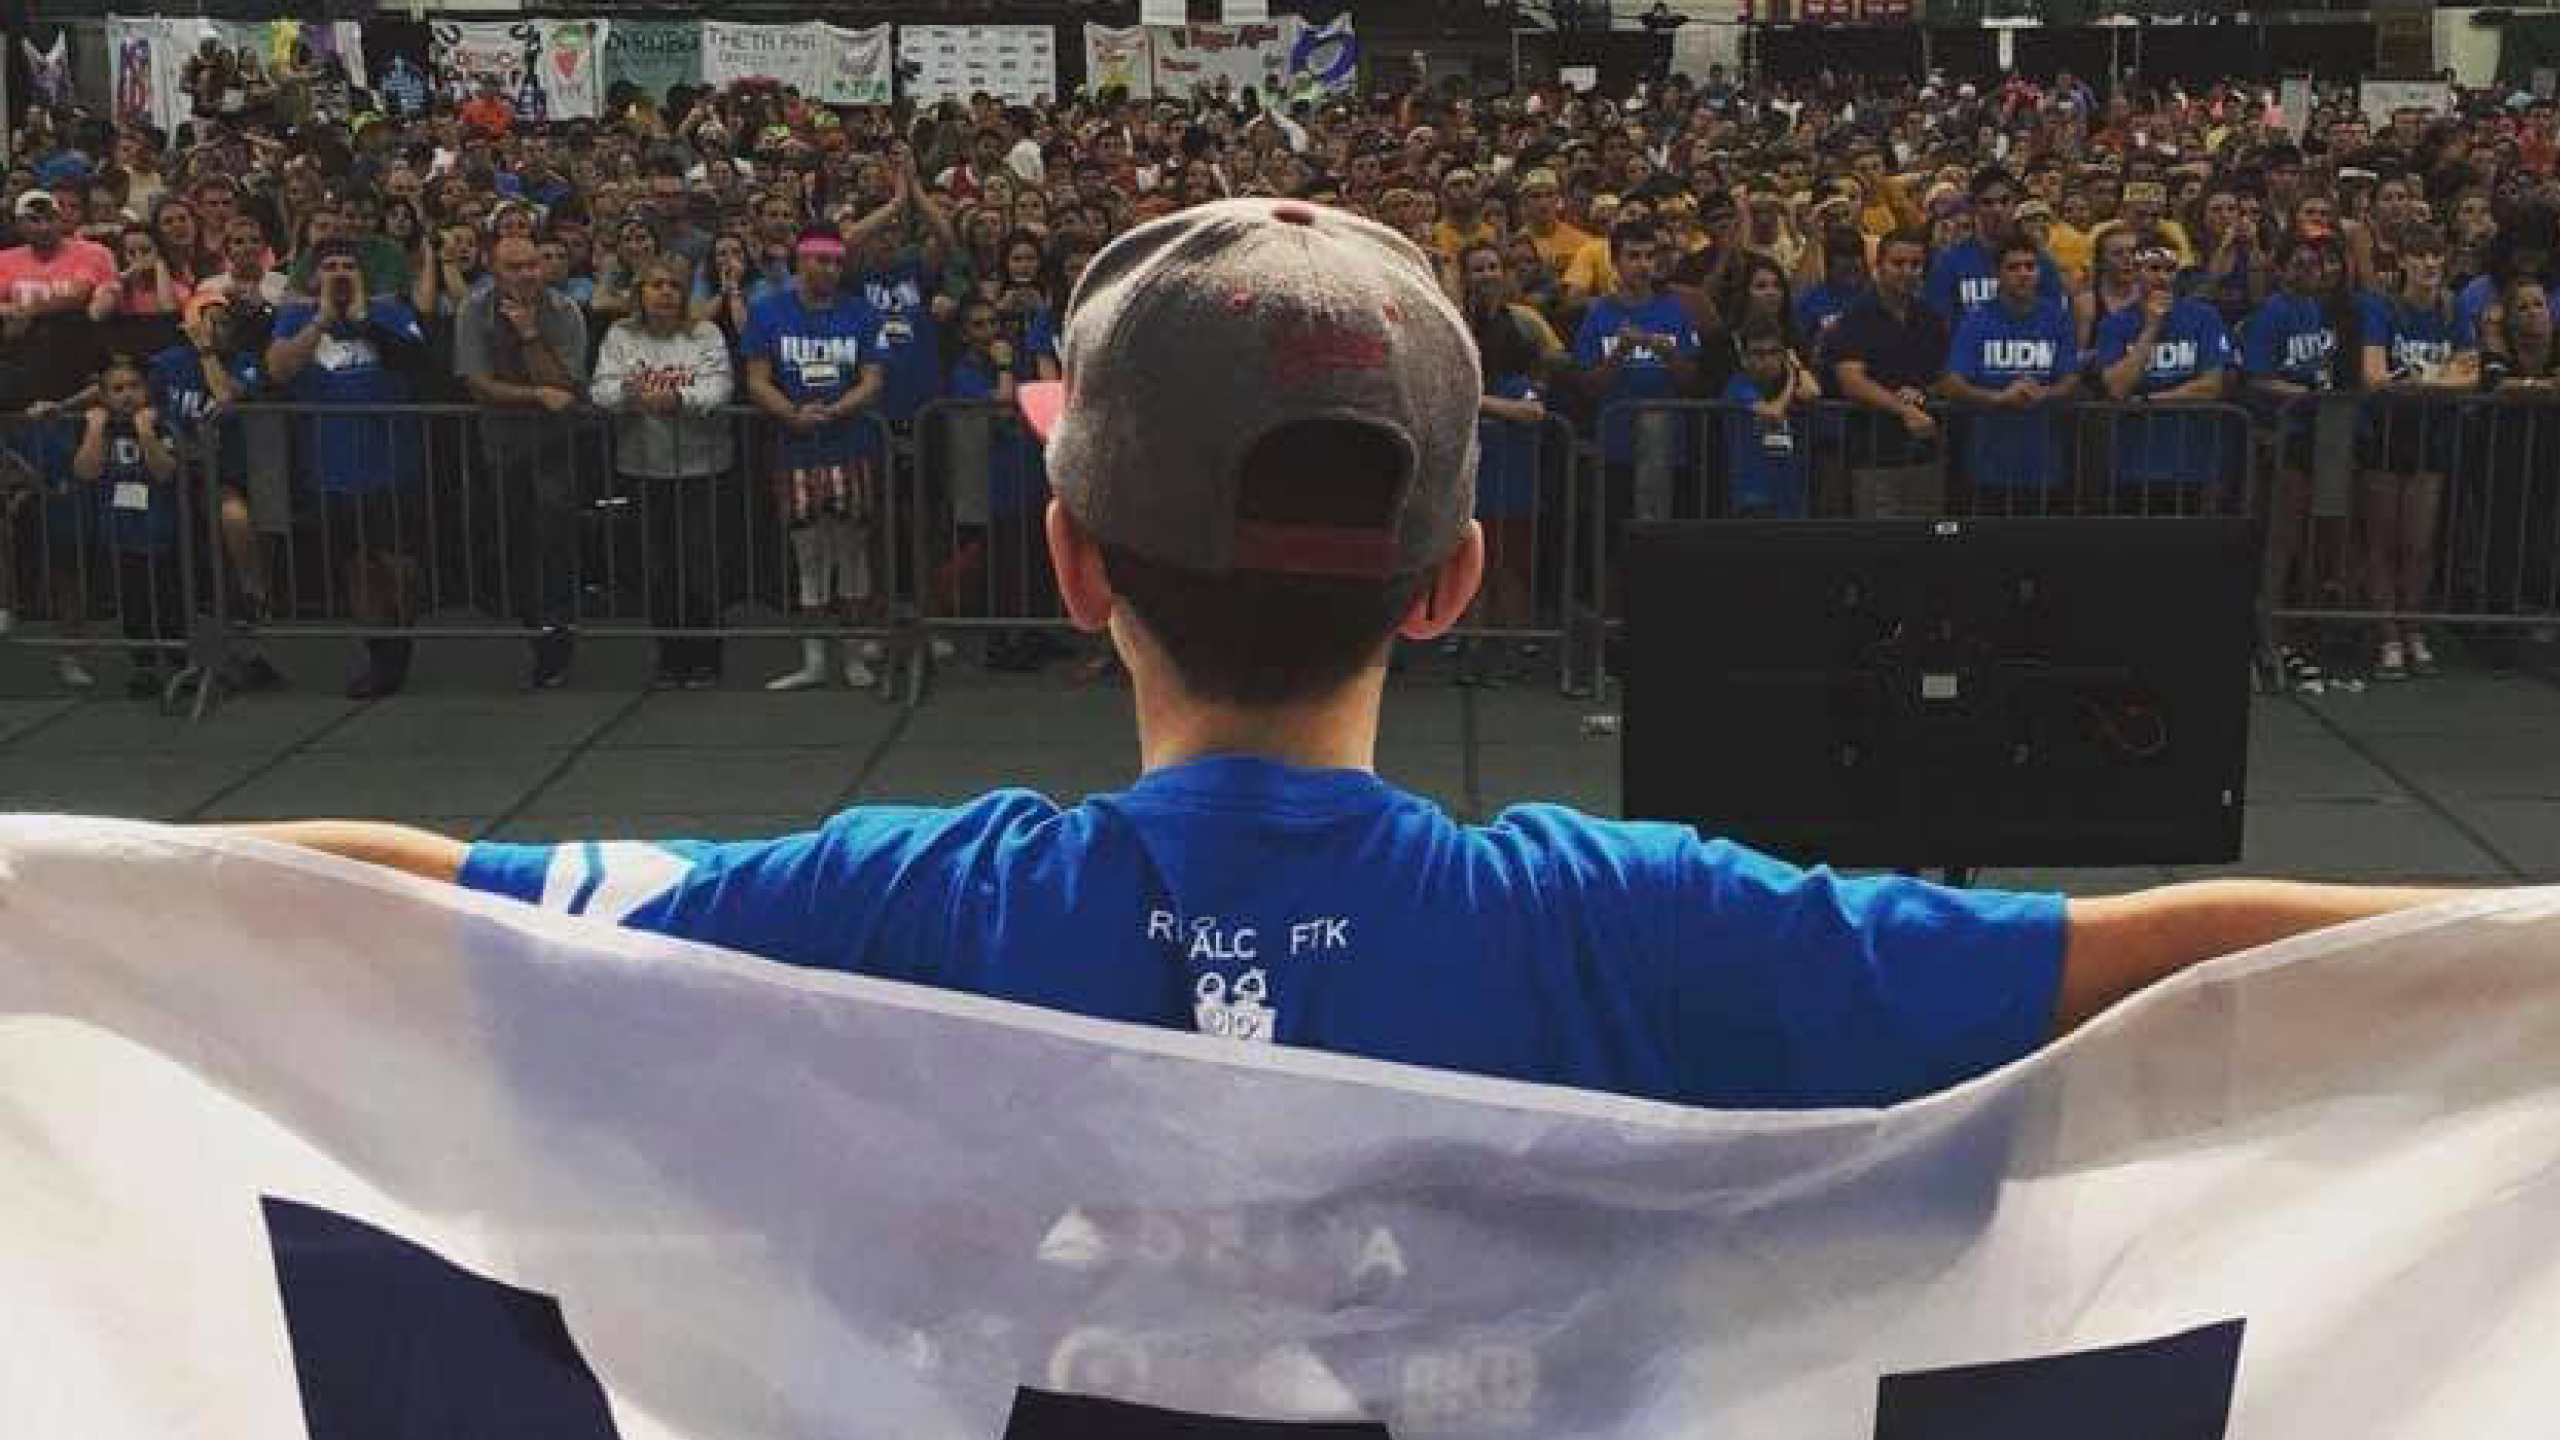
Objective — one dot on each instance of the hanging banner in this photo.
(549, 69)
(1163, 12)
(2378, 98)
(1325, 62)
(653, 56)
(49, 69)
(145, 58)
(793, 55)
(1017, 64)
(572, 68)
(1245, 12)
(1121, 57)
(860, 69)
(470, 54)
(1189, 58)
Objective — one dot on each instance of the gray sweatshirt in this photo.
(694, 441)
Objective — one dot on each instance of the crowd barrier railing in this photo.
(102, 566)
(1717, 460)
(452, 521)
(2413, 507)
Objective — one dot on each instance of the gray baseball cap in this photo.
(1195, 338)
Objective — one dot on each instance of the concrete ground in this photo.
(2455, 778)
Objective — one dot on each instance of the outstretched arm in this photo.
(2123, 943)
(422, 853)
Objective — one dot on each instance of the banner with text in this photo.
(653, 55)
(1017, 64)
(549, 69)
(1190, 59)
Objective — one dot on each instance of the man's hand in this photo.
(806, 418)
(146, 421)
(97, 419)
(553, 399)
(1917, 420)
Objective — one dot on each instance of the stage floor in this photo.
(2451, 779)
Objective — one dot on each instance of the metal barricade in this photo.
(2397, 510)
(99, 564)
(400, 523)
(981, 553)
(1696, 460)
(1528, 479)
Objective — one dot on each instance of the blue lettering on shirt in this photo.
(1326, 909)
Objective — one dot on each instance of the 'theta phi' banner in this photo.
(296, 1149)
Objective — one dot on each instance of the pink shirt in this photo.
(75, 266)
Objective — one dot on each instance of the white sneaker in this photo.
(943, 649)
(2393, 663)
(803, 678)
(73, 673)
(871, 650)
(857, 675)
(2422, 657)
(8, 620)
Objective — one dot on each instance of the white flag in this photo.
(294, 1148)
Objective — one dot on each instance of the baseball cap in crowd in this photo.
(2033, 210)
(1193, 340)
(36, 202)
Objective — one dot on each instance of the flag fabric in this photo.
(292, 1147)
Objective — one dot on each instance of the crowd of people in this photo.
(1918, 253)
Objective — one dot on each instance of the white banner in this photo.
(1247, 57)
(2378, 98)
(794, 55)
(1017, 64)
(301, 1149)
(1120, 56)
(861, 67)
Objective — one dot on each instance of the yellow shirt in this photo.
(1590, 272)
(2073, 251)
(1451, 241)
(1559, 245)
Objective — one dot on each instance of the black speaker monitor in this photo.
(1903, 694)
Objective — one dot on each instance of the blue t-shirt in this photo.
(910, 341)
(363, 452)
(1818, 307)
(1763, 459)
(1641, 374)
(818, 355)
(137, 513)
(2414, 338)
(1992, 348)
(1327, 910)
(2475, 300)
(180, 394)
(2183, 447)
(2289, 338)
(1017, 478)
(1039, 342)
(1507, 455)
(1965, 278)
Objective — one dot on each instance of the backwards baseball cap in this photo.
(1195, 340)
(36, 202)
